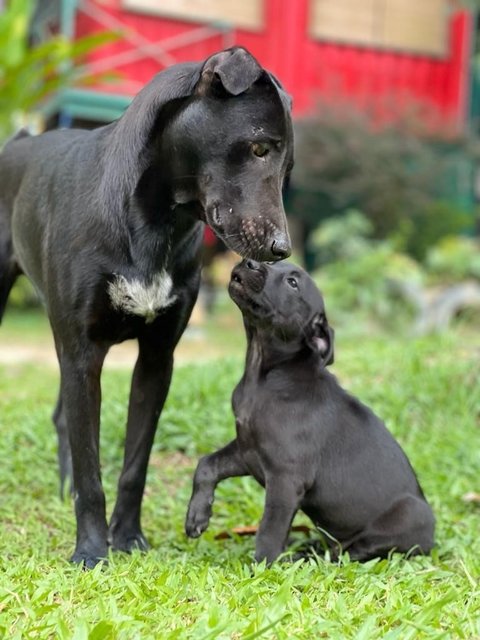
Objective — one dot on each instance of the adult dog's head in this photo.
(282, 303)
(213, 140)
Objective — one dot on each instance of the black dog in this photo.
(107, 225)
(311, 445)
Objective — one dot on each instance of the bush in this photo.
(430, 224)
(395, 177)
(361, 270)
(454, 259)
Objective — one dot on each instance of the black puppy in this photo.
(311, 445)
(107, 225)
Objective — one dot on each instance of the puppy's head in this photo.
(230, 151)
(284, 303)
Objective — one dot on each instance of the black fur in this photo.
(311, 445)
(83, 213)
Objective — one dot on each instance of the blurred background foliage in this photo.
(385, 287)
(404, 182)
(30, 74)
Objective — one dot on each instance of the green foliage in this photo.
(208, 588)
(377, 281)
(455, 258)
(23, 295)
(437, 220)
(358, 277)
(397, 178)
(343, 237)
(29, 75)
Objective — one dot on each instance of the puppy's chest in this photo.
(140, 297)
(253, 408)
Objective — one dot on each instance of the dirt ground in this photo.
(196, 344)
(192, 347)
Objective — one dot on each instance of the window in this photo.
(406, 25)
(247, 13)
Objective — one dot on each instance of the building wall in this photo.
(279, 33)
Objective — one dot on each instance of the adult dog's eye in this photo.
(293, 283)
(260, 149)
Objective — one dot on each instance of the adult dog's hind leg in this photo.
(7, 280)
(9, 270)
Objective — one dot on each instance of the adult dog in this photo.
(107, 225)
(311, 445)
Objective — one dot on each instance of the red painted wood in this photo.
(388, 83)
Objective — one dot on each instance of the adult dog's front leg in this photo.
(282, 501)
(211, 469)
(80, 392)
(150, 384)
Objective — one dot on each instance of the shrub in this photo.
(399, 180)
(361, 270)
(454, 258)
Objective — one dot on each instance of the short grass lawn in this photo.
(427, 390)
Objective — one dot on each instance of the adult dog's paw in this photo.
(127, 540)
(89, 560)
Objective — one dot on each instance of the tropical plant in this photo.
(30, 74)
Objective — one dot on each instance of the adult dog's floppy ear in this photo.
(233, 70)
(285, 97)
(126, 141)
(320, 338)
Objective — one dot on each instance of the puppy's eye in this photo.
(260, 149)
(293, 283)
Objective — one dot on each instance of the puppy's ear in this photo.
(320, 338)
(233, 70)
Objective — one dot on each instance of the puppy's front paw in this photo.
(198, 517)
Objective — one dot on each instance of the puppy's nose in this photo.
(251, 264)
(281, 248)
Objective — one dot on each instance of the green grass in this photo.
(28, 327)
(428, 391)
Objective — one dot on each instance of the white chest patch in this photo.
(140, 299)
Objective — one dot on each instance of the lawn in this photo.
(427, 390)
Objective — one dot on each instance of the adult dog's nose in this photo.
(281, 248)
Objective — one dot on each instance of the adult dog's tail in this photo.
(9, 270)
